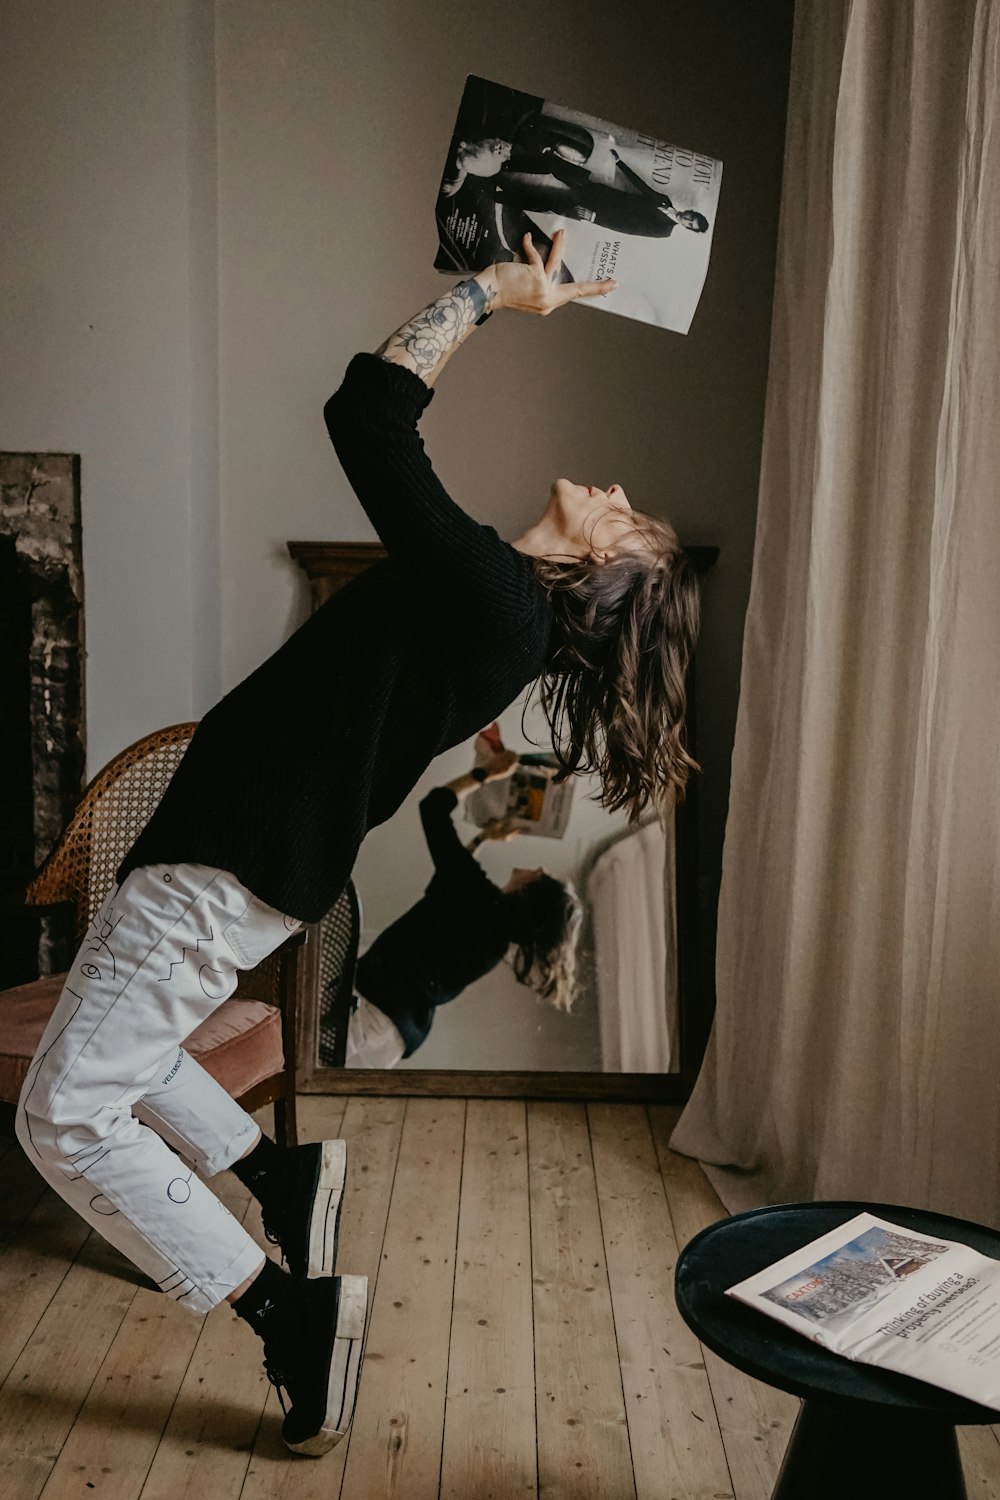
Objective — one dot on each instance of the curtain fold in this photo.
(856, 1048)
(630, 888)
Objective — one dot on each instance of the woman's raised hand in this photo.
(533, 287)
(500, 831)
(501, 765)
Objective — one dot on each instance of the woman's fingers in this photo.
(551, 266)
(589, 289)
(555, 255)
(544, 299)
(503, 764)
(534, 259)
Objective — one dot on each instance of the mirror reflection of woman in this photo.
(460, 930)
(259, 828)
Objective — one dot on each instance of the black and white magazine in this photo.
(634, 208)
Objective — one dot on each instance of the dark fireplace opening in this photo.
(19, 950)
(41, 696)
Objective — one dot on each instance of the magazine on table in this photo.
(528, 801)
(884, 1295)
(634, 208)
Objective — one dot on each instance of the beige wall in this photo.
(108, 344)
(147, 283)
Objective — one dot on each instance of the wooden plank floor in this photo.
(523, 1340)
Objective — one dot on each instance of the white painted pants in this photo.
(373, 1041)
(162, 954)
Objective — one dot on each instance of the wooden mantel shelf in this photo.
(329, 565)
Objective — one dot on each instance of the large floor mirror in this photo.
(637, 1026)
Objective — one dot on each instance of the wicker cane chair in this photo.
(251, 1047)
(338, 936)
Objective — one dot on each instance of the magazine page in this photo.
(885, 1295)
(633, 207)
(529, 800)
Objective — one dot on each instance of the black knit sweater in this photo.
(458, 931)
(285, 776)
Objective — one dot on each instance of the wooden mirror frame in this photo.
(328, 567)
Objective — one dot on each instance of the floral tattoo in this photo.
(435, 331)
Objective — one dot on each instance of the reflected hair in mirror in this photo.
(545, 916)
(614, 687)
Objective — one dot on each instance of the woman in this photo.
(259, 828)
(461, 929)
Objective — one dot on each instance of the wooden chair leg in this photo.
(285, 1126)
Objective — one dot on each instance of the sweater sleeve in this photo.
(450, 856)
(372, 422)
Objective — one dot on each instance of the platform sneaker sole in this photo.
(345, 1369)
(324, 1216)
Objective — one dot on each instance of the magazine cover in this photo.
(633, 207)
(854, 1278)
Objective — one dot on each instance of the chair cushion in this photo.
(24, 1014)
(239, 1043)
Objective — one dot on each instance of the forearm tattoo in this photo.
(439, 328)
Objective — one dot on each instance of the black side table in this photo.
(862, 1433)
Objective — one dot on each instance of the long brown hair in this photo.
(613, 690)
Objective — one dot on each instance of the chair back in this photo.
(338, 934)
(114, 809)
(83, 867)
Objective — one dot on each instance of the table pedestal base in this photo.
(836, 1451)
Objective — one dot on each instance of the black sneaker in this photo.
(307, 1227)
(318, 1363)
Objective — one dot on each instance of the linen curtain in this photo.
(856, 1048)
(630, 888)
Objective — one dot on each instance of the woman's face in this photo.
(593, 522)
